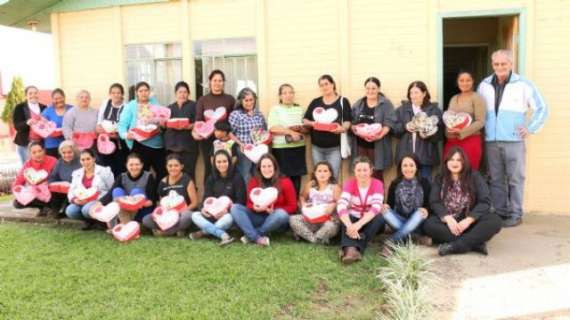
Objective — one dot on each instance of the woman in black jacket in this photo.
(425, 147)
(460, 200)
(23, 113)
(408, 203)
(223, 181)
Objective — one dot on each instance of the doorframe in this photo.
(520, 12)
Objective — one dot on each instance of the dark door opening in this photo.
(468, 44)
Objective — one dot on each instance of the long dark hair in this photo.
(330, 79)
(423, 88)
(400, 174)
(465, 176)
(332, 179)
(274, 181)
(215, 172)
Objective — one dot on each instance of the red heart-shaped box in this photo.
(315, 213)
(59, 187)
(132, 203)
(263, 197)
(127, 232)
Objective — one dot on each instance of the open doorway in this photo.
(468, 43)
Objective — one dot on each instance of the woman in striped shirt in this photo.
(359, 209)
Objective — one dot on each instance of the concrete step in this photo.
(29, 215)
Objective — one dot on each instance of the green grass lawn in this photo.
(51, 272)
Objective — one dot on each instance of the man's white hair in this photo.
(503, 52)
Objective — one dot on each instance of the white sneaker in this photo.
(244, 240)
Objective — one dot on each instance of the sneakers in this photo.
(455, 247)
(244, 240)
(512, 222)
(197, 235)
(262, 241)
(226, 239)
(350, 255)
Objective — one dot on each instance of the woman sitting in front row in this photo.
(460, 200)
(224, 181)
(408, 203)
(257, 221)
(359, 210)
(180, 183)
(321, 190)
(89, 176)
(132, 182)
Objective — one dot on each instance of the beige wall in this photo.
(350, 39)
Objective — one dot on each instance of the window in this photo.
(158, 64)
(236, 57)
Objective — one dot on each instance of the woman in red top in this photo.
(39, 161)
(257, 221)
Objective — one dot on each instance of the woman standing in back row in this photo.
(214, 99)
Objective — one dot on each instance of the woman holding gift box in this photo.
(374, 108)
(359, 210)
(408, 204)
(244, 120)
(80, 122)
(107, 120)
(31, 179)
(23, 114)
(321, 192)
(132, 182)
(223, 182)
(425, 147)
(461, 202)
(286, 125)
(177, 137)
(326, 144)
(176, 184)
(258, 219)
(89, 183)
(55, 113)
(212, 101)
(471, 103)
(137, 113)
(67, 163)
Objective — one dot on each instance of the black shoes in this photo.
(481, 248)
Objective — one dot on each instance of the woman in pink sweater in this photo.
(359, 209)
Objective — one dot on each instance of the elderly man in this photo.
(509, 97)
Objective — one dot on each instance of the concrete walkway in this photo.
(525, 276)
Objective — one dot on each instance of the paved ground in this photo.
(526, 276)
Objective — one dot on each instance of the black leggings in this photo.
(152, 158)
(367, 233)
(478, 233)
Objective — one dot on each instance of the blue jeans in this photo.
(22, 153)
(245, 166)
(74, 211)
(255, 225)
(402, 225)
(217, 229)
(332, 155)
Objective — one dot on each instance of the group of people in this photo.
(455, 209)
